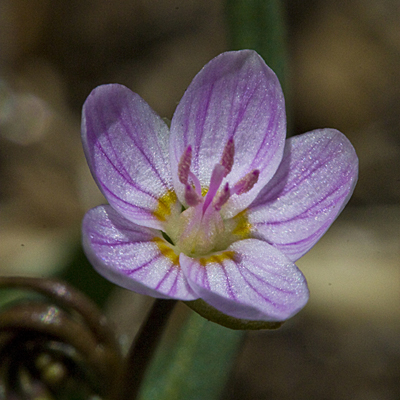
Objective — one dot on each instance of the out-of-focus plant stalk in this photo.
(196, 365)
(260, 25)
(142, 349)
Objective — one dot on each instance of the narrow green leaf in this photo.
(196, 366)
(260, 25)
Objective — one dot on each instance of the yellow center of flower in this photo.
(199, 229)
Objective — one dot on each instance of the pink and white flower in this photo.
(219, 206)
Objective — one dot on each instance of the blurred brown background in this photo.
(345, 74)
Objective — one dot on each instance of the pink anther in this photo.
(246, 183)
(184, 165)
(222, 197)
(191, 197)
(228, 156)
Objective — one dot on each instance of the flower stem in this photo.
(142, 349)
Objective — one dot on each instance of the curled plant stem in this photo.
(73, 319)
(67, 297)
(142, 349)
(65, 327)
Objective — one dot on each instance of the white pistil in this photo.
(216, 179)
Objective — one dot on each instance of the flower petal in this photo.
(236, 95)
(311, 187)
(126, 146)
(132, 256)
(250, 280)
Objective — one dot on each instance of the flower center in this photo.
(200, 229)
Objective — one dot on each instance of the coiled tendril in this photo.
(55, 347)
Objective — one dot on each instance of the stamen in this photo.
(216, 178)
(196, 182)
(184, 165)
(191, 197)
(246, 183)
(223, 197)
(228, 156)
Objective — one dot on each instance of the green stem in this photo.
(259, 25)
(142, 349)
